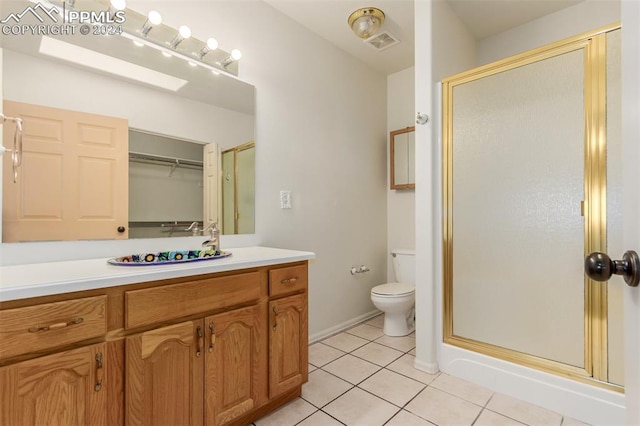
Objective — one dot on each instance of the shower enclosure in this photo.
(531, 184)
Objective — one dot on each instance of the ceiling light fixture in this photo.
(184, 32)
(366, 21)
(212, 44)
(153, 19)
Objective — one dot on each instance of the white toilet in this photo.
(397, 299)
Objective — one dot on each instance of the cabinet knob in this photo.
(121, 229)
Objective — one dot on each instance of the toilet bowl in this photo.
(397, 299)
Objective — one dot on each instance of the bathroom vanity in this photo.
(214, 342)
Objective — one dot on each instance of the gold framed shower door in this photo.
(594, 206)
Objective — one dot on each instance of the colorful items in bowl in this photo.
(168, 257)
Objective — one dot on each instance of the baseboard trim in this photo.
(427, 367)
(342, 326)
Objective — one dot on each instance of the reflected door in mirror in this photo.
(73, 179)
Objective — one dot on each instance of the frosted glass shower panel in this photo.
(518, 233)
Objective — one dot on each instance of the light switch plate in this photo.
(285, 199)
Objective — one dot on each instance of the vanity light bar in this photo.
(154, 19)
(170, 52)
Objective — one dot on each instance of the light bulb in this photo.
(212, 43)
(236, 54)
(184, 31)
(119, 4)
(154, 17)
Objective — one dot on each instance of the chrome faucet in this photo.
(195, 231)
(214, 241)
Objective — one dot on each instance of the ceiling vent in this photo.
(382, 41)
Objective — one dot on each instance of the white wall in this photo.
(582, 17)
(321, 133)
(400, 203)
(452, 54)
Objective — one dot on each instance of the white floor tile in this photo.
(443, 409)
(320, 419)
(377, 321)
(323, 388)
(462, 389)
(352, 369)
(489, 418)
(402, 343)
(345, 342)
(359, 408)
(386, 380)
(366, 331)
(378, 354)
(392, 387)
(405, 418)
(320, 354)
(523, 411)
(404, 366)
(289, 414)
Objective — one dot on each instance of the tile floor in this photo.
(362, 377)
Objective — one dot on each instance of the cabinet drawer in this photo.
(287, 280)
(40, 327)
(160, 304)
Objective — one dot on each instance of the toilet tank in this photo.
(404, 265)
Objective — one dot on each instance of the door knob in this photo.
(600, 267)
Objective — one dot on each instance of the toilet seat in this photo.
(393, 289)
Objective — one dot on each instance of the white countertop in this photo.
(43, 279)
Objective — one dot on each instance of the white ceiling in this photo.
(328, 19)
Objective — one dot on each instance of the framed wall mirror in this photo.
(402, 158)
(206, 109)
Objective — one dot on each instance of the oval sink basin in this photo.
(168, 257)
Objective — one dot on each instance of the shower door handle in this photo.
(600, 267)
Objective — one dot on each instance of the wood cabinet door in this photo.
(288, 343)
(235, 367)
(164, 375)
(66, 388)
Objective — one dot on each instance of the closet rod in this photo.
(155, 159)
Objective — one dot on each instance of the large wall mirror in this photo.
(402, 158)
(168, 127)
